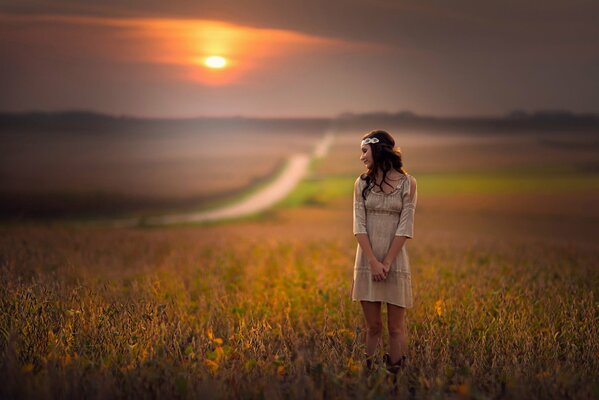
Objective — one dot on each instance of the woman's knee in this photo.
(396, 331)
(375, 328)
(397, 323)
(396, 318)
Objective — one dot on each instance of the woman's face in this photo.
(366, 156)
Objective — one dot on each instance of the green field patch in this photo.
(318, 191)
(506, 182)
(322, 190)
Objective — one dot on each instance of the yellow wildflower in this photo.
(440, 307)
(212, 366)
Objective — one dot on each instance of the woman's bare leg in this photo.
(398, 334)
(374, 325)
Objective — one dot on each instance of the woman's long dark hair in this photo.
(385, 156)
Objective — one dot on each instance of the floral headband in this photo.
(369, 140)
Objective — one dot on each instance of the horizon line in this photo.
(514, 112)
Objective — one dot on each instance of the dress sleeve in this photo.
(406, 218)
(359, 209)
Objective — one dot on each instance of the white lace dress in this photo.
(383, 216)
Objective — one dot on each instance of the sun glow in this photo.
(204, 51)
(215, 62)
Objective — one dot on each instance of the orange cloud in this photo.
(182, 44)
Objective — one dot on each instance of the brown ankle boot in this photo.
(394, 368)
(368, 364)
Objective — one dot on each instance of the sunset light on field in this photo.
(187, 208)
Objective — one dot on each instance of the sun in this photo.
(215, 62)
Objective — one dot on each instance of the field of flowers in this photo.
(261, 309)
(505, 277)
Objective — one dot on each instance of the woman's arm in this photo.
(364, 242)
(394, 249)
(405, 227)
(378, 269)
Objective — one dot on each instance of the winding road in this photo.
(277, 190)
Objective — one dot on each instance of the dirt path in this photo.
(296, 169)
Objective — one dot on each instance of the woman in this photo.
(384, 203)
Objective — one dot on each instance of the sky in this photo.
(299, 58)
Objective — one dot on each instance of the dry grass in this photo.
(505, 287)
(262, 309)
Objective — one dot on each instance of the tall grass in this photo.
(185, 313)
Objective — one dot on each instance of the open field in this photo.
(427, 152)
(81, 174)
(194, 166)
(506, 305)
(505, 280)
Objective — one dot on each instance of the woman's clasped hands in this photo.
(379, 270)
